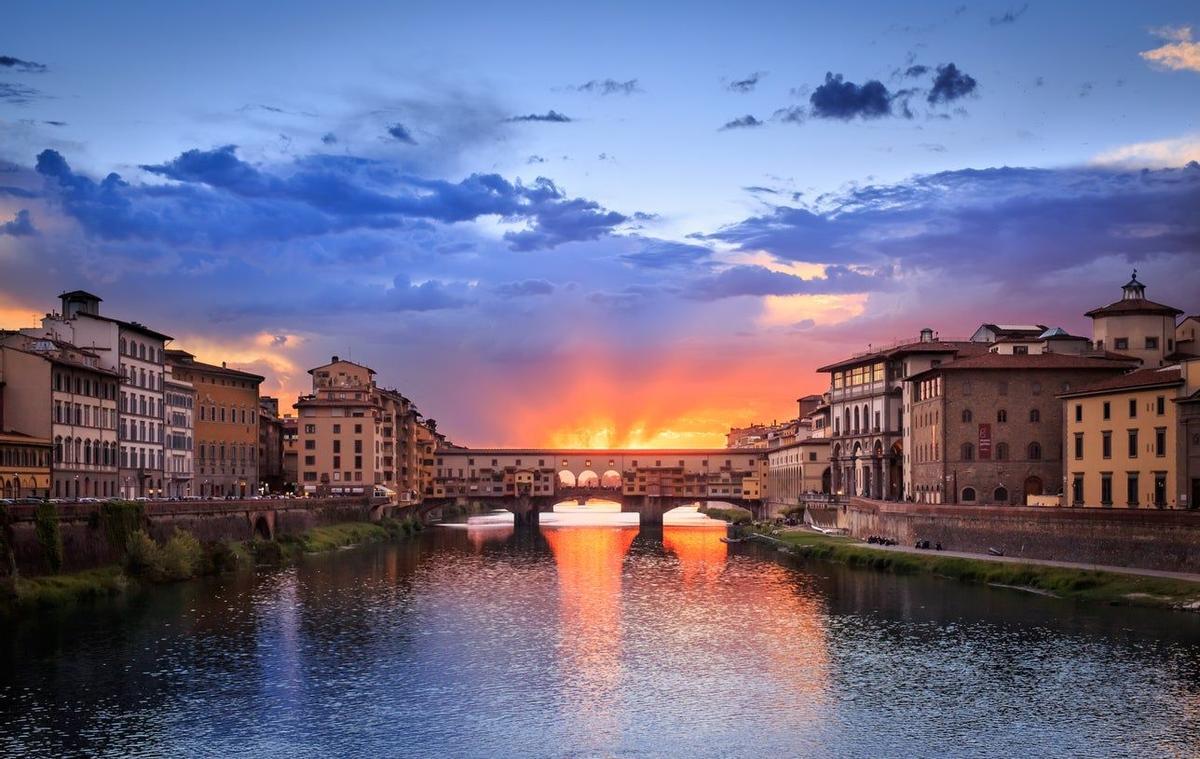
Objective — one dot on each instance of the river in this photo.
(595, 642)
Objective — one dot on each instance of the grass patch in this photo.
(1105, 587)
(334, 536)
(53, 591)
(733, 514)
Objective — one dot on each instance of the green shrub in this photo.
(143, 557)
(266, 551)
(181, 556)
(121, 520)
(49, 536)
(221, 556)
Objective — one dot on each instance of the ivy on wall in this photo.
(48, 535)
(121, 520)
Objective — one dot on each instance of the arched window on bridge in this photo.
(588, 479)
(611, 479)
(566, 479)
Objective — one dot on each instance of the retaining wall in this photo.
(1145, 538)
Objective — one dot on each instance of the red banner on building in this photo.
(985, 441)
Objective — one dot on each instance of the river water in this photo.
(595, 642)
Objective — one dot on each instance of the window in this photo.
(1002, 415)
(1000, 495)
(1160, 405)
(1121, 344)
(1035, 452)
(968, 495)
(1035, 415)
(1078, 445)
(1079, 412)
(1077, 489)
(310, 461)
(1106, 444)
(1020, 350)
(966, 415)
(358, 429)
(1133, 408)
(968, 452)
(1160, 441)
(310, 445)
(1133, 444)
(337, 429)
(1131, 489)
(1002, 451)
(1107, 410)
(310, 429)
(1160, 489)
(1106, 489)
(1151, 343)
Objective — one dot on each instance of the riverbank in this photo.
(183, 558)
(1125, 589)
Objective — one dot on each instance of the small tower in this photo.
(79, 301)
(1134, 326)
(1133, 290)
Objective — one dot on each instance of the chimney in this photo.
(223, 365)
(335, 360)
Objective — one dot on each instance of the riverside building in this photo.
(179, 399)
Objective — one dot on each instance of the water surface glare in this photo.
(580, 641)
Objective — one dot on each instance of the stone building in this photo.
(866, 406)
(56, 391)
(340, 430)
(179, 416)
(291, 439)
(797, 470)
(1188, 411)
(1135, 326)
(226, 424)
(270, 445)
(988, 428)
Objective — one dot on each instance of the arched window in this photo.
(966, 415)
(58, 449)
(968, 452)
(1035, 451)
(856, 426)
(1002, 415)
(1001, 451)
(968, 495)
(141, 350)
(87, 451)
(1035, 415)
(1000, 495)
(124, 347)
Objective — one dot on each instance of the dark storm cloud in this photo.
(1008, 17)
(839, 99)
(20, 226)
(400, 133)
(24, 67)
(667, 254)
(18, 94)
(951, 84)
(427, 296)
(550, 116)
(759, 280)
(608, 87)
(217, 198)
(746, 85)
(916, 70)
(525, 288)
(1035, 221)
(742, 122)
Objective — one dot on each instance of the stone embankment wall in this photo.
(1144, 538)
(86, 542)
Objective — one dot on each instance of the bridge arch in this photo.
(262, 527)
(567, 479)
(610, 479)
(588, 479)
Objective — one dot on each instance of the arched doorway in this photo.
(262, 530)
(611, 479)
(566, 479)
(1000, 495)
(827, 481)
(588, 479)
(6, 488)
(1033, 485)
(895, 467)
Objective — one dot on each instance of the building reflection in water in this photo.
(480, 536)
(700, 551)
(589, 562)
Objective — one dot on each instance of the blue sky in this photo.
(542, 200)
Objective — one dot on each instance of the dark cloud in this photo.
(20, 226)
(1008, 17)
(746, 85)
(743, 122)
(535, 159)
(217, 198)
(551, 116)
(25, 67)
(18, 94)
(329, 138)
(525, 288)
(1037, 221)
(795, 114)
(667, 254)
(759, 280)
(951, 84)
(427, 296)
(916, 70)
(400, 133)
(607, 87)
(55, 123)
(839, 99)
(758, 189)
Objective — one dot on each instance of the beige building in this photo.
(24, 465)
(56, 391)
(226, 424)
(179, 416)
(1135, 326)
(1123, 439)
(796, 471)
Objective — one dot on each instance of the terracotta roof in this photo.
(192, 363)
(137, 327)
(1030, 361)
(1133, 306)
(337, 360)
(1139, 378)
(916, 346)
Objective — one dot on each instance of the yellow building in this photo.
(1122, 446)
(1135, 326)
(24, 466)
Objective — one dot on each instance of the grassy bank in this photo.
(733, 514)
(182, 557)
(1105, 587)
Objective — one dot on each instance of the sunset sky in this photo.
(594, 224)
